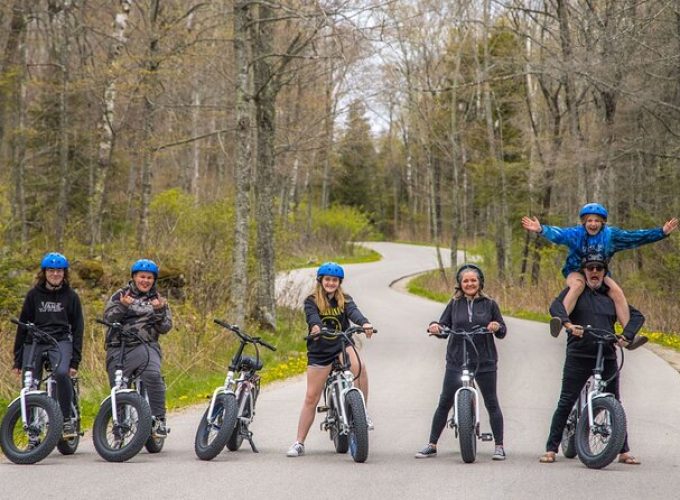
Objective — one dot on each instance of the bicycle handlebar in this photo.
(36, 332)
(243, 335)
(338, 333)
(446, 331)
(604, 335)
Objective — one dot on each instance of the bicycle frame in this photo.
(339, 383)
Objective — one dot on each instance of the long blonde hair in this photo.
(321, 298)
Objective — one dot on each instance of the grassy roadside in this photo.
(429, 286)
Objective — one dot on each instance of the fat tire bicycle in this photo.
(226, 421)
(465, 418)
(596, 427)
(124, 424)
(344, 404)
(33, 424)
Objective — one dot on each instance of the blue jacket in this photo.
(607, 242)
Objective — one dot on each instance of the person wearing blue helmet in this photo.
(55, 308)
(593, 236)
(330, 307)
(141, 309)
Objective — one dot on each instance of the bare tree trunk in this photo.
(148, 126)
(61, 34)
(19, 147)
(265, 112)
(239, 277)
(328, 130)
(17, 29)
(107, 138)
(571, 101)
(195, 146)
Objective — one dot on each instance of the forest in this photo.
(231, 139)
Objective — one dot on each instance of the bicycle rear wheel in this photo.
(31, 444)
(568, 443)
(240, 429)
(597, 446)
(465, 411)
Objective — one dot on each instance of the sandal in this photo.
(547, 458)
(628, 459)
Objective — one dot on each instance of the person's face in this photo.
(594, 272)
(143, 281)
(593, 224)
(55, 277)
(330, 284)
(469, 283)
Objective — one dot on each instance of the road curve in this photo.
(405, 369)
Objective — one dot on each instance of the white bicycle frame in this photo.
(596, 392)
(227, 388)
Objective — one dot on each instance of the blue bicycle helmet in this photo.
(330, 269)
(593, 209)
(473, 267)
(54, 260)
(146, 265)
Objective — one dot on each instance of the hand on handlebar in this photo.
(368, 330)
(434, 329)
(576, 330)
(16, 371)
(493, 326)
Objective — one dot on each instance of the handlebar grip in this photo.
(267, 345)
(15, 321)
(102, 322)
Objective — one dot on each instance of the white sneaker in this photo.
(369, 423)
(296, 450)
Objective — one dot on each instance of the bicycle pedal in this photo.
(486, 436)
(321, 409)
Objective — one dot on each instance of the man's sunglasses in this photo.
(595, 267)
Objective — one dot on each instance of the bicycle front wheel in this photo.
(597, 446)
(465, 410)
(215, 429)
(358, 427)
(122, 440)
(31, 443)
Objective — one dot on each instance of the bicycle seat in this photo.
(250, 363)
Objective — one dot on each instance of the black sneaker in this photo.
(159, 428)
(555, 326)
(69, 430)
(427, 452)
(499, 453)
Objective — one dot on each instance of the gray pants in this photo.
(143, 363)
(60, 360)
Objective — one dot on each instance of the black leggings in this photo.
(487, 386)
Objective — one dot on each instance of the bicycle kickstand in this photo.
(249, 437)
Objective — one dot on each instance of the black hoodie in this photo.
(57, 312)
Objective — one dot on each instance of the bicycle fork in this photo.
(468, 386)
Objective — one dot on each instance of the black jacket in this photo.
(594, 308)
(57, 312)
(456, 316)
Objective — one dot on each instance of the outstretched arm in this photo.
(670, 226)
(531, 224)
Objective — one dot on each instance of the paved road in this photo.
(405, 368)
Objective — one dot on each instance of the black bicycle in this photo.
(33, 424)
(232, 407)
(596, 427)
(123, 425)
(344, 403)
(465, 419)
